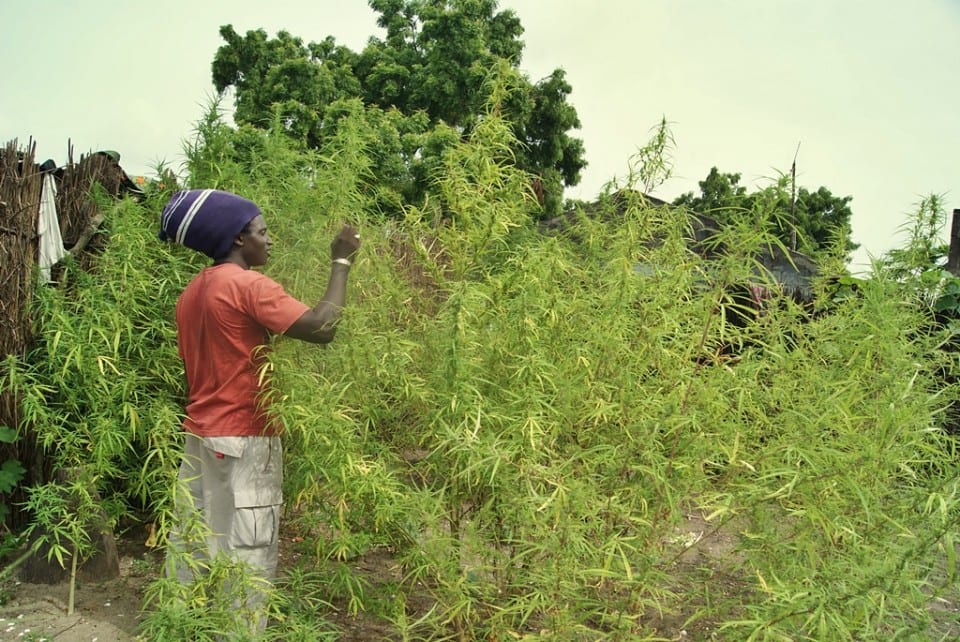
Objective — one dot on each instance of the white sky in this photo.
(868, 89)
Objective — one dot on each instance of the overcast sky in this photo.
(868, 89)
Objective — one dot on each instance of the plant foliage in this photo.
(814, 222)
(528, 426)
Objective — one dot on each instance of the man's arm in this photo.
(319, 324)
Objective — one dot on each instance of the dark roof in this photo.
(792, 270)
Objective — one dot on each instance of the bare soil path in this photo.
(110, 611)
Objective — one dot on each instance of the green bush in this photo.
(529, 424)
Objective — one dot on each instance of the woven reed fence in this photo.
(20, 184)
(21, 181)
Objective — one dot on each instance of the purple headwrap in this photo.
(206, 220)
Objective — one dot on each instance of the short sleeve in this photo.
(270, 305)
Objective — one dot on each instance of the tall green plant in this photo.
(11, 471)
(527, 423)
(100, 390)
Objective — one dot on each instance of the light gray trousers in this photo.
(234, 485)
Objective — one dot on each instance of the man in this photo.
(232, 462)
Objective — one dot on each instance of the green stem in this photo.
(73, 581)
(20, 560)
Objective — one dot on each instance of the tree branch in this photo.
(84, 239)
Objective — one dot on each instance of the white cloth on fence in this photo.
(48, 228)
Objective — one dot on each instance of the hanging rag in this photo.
(48, 228)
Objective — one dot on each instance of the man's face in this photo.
(256, 243)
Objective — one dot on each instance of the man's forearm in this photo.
(319, 324)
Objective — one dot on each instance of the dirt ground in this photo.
(103, 611)
(110, 611)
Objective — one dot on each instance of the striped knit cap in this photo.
(206, 220)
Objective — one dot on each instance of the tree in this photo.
(428, 75)
(818, 218)
(717, 192)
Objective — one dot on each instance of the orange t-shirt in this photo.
(223, 319)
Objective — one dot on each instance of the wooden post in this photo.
(953, 259)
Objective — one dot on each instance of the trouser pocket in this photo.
(255, 526)
(257, 496)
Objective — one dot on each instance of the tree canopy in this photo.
(423, 86)
(809, 221)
